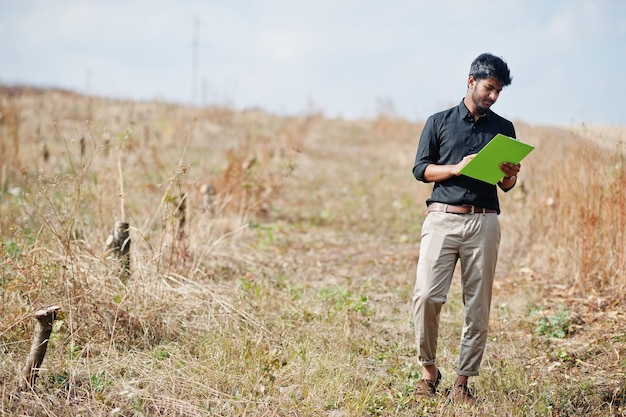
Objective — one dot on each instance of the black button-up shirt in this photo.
(450, 135)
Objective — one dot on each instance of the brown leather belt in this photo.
(466, 209)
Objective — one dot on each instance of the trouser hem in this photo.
(467, 373)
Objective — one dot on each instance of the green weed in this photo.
(558, 324)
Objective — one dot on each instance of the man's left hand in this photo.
(510, 169)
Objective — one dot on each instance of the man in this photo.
(461, 224)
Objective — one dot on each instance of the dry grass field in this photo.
(290, 293)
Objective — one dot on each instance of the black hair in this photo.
(488, 65)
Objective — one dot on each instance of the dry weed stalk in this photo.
(256, 170)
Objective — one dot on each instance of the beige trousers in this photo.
(447, 238)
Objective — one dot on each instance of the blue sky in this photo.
(346, 58)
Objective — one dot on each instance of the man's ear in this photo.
(471, 82)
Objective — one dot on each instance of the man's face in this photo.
(485, 92)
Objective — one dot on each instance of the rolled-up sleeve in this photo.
(427, 150)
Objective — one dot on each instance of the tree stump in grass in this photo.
(118, 243)
(45, 152)
(181, 213)
(45, 319)
(82, 146)
(208, 196)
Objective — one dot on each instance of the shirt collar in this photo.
(465, 114)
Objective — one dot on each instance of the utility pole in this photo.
(194, 61)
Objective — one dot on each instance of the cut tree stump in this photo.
(208, 197)
(181, 213)
(45, 319)
(119, 243)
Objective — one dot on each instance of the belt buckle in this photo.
(471, 208)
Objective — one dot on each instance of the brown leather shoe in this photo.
(461, 394)
(426, 388)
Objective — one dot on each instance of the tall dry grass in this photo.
(574, 198)
(291, 294)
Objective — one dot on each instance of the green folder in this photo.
(486, 164)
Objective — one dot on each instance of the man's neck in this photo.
(472, 107)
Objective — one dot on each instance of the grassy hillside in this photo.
(289, 295)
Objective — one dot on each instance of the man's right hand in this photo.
(458, 167)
